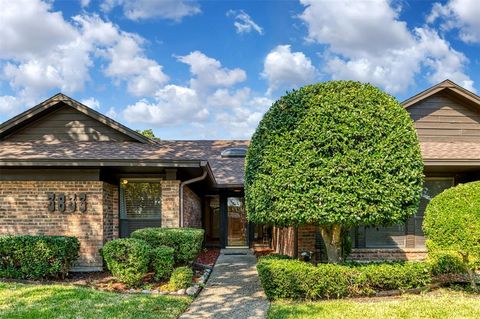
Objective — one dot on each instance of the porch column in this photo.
(170, 203)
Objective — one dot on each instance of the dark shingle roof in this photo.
(225, 170)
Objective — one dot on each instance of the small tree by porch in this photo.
(337, 154)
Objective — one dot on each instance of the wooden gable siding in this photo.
(67, 124)
(441, 117)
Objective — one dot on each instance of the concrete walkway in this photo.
(233, 290)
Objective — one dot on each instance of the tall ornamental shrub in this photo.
(337, 154)
(452, 224)
(186, 242)
(127, 259)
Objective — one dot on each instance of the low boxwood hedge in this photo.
(127, 259)
(181, 278)
(162, 262)
(186, 242)
(36, 257)
(293, 279)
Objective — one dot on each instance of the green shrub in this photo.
(294, 279)
(127, 259)
(337, 154)
(395, 275)
(442, 263)
(162, 262)
(276, 257)
(181, 278)
(35, 257)
(452, 223)
(187, 242)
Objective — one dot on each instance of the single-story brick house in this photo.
(66, 169)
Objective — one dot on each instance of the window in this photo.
(404, 235)
(432, 186)
(140, 205)
(385, 237)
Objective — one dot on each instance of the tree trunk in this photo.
(332, 237)
(471, 274)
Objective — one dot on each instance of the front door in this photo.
(237, 222)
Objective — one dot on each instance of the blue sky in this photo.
(210, 69)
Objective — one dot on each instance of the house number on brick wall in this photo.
(67, 203)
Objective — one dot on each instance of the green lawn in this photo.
(57, 301)
(439, 304)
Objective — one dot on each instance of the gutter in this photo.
(187, 182)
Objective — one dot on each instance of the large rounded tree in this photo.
(337, 154)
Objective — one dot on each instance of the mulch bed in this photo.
(208, 256)
(103, 280)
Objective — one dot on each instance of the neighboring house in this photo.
(66, 169)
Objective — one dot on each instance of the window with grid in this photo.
(140, 205)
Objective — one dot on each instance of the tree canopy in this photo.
(338, 153)
(148, 133)
(452, 223)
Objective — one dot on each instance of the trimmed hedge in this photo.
(442, 263)
(294, 279)
(181, 278)
(186, 242)
(35, 257)
(452, 223)
(127, 259)
(162, 262)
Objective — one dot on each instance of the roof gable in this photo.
(68, 119)
(449, 87)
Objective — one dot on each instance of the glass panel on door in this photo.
(237, 222)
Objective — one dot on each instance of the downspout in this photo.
(182, 186)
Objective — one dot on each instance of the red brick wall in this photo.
(170, 203)
(192, 209)
(306, 238)
(23, 210)
(110, 212)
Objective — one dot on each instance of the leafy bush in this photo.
(162, 262)
(127, 259)
(299, 280)
(35, 257)
(452, 223)
(337, 154)
(393, 275)
(181, 278)
(445, 263)
(186, 242)
(276, 256)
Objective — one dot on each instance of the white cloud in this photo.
(91, 102)
(42, 51)
(285, 69)
(459, 14)
(84, 3)
(243, 22)
(112, 113)
(389, 56)
(146, 9)
(173, 104)
(208, 72)
(211, 106)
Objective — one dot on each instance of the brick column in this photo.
(170, 203)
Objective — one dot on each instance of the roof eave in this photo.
(59, 97)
